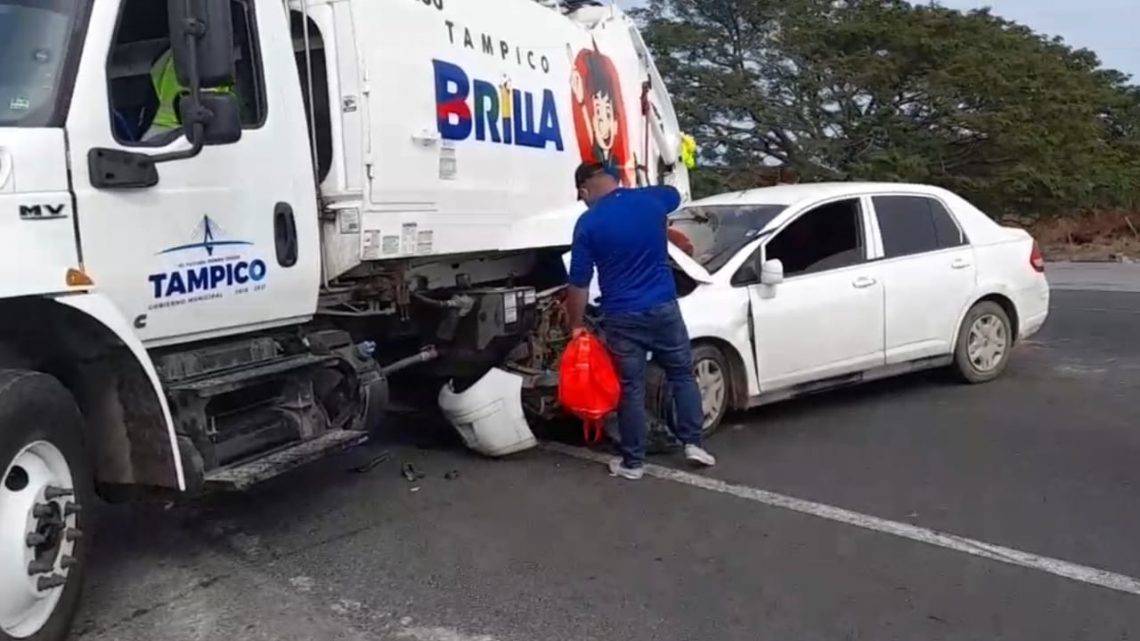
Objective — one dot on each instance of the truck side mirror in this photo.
(219, 115)
(202, 42)
(118, 169)
(772, 272)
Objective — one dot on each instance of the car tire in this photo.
(710, 364)
(41, 446)
(659, 413)
(985, 342)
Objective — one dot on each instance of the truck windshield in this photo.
(35, 41)
(717, 232)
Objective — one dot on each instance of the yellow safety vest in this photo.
(167, 88)
(688, 151)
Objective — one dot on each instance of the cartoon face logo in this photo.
(599, 113)
(604, 121)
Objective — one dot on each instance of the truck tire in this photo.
(46, 495)
(985, 341)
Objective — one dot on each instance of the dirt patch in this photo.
(1095, 236)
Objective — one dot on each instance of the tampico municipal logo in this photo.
(209, 266)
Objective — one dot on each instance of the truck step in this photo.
(217, 385)
(243, 475)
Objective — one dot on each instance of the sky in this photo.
(1104, 26)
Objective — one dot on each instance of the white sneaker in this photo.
(697, 454)
(627, 473)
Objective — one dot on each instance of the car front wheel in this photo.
(711, 372)
(710, 369)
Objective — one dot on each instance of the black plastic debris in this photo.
(371, 463)
(411, 473)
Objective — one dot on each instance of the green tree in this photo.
(886, 90)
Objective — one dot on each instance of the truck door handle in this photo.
(863, 282)
(285, 234)
(960, 263)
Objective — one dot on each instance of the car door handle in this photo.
(960, 263)
(863, 282)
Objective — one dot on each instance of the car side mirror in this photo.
(202, 42)
(219, 115)
(772, 272)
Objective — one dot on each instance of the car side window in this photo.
(827, 237)
(915, 224)
(144, 92)
(747, 274)
(945, 229)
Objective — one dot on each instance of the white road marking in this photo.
(1082, 573)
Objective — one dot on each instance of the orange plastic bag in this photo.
(588, 385)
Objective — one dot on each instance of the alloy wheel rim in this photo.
(987, 343)
(711, 383)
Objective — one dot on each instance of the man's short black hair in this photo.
(586, 171)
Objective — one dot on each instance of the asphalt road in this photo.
(547, 546)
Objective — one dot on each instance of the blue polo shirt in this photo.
(623, 236)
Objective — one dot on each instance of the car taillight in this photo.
(1036, 260)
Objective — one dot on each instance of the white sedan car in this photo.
(799, 288)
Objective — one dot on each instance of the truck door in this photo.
(228, 239)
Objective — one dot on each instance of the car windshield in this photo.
(34, 39)
(717, 232)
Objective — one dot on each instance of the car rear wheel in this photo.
(44, 488)
(985, 342)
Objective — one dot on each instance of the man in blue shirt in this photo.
(623, 235)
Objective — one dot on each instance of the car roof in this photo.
(792, 194)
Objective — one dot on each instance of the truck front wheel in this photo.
(46, 486)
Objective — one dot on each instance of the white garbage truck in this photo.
(226, 224)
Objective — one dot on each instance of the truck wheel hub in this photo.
(37, 537)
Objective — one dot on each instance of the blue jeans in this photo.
(662, 331)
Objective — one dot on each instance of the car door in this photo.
(928, 274)
(826, 318)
